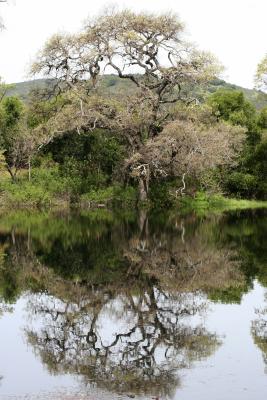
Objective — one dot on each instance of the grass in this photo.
(203, 203)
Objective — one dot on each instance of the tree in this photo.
(183, 149)
(261, 74)
(4, 89)
(232, 106)
(17, 140)
(1, 23)
(262, 118)
(145, 49)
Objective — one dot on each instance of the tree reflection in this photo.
(259, 332)
(124, 342)
(119, 304)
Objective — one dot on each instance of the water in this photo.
(104, 306)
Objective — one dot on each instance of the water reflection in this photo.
(259, 331)
(147, 337)
(121, 301)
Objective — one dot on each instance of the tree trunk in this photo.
(181, 189)
(29, 169)
(143, 189)
(143, 224)
(12, 174)
(144, 179)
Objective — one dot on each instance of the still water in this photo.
(105, 306)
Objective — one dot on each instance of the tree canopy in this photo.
(261, 74)
(147, 49)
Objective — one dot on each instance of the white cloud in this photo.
(234, 30)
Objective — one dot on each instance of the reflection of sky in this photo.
(235, 371)
(22, 372)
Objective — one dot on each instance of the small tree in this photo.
(17, 140)
(232, 106)
(1, 22)
(261, 74)
(262, 118)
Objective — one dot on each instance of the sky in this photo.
(234, 30)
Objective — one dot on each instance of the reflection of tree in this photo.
(145, 277)
(154, 337)
(259, 332)
(184, 260)
(246, 233)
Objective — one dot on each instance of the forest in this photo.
(128, 113)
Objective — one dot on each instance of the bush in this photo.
(26, 195)
(46, 187)
(50, 180)
(112, 195)
(125, 196)
(242, 184)
(98, 196)
(160, 194)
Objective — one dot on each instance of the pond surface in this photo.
(104, 306)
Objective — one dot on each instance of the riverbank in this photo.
(48, 191)
(203, 203)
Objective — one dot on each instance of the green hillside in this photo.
(23, 89)
(112, 85)
(258, 98)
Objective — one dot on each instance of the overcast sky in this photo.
(234, 30)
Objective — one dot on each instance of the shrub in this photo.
(160, 194)
(26, 195)
(242, 184)
(112, 195)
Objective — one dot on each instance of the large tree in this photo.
(146, 49)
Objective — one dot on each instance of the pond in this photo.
(148, 306)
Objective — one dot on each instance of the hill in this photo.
(112, 85)
(23, 89)
(258, 98)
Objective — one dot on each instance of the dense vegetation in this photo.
(160, 126)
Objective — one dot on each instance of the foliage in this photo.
(232, 106)
(112, 195)
(186, 149)
(91, 159)
(203, 204)
(17, 141)
(261, 74)
(105, 135)
(25, 195)
(45, 189)
(242, 184)
(161, 193)
(248, 178)
(262, 118)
